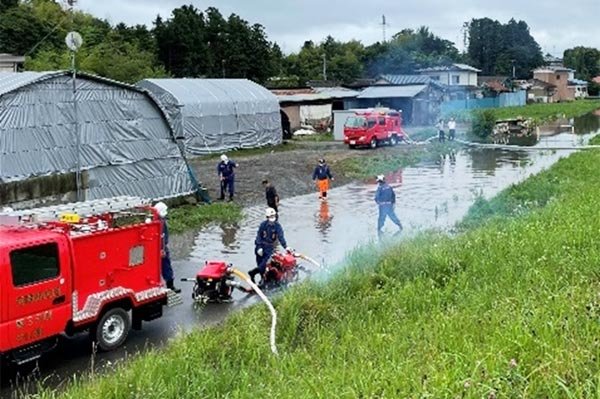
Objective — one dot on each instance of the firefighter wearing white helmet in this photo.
(166, 268)
(386, 201)
(269, 234)
(226, 172)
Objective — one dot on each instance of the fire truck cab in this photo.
(88, 266)
(374, 127)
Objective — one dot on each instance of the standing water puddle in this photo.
(435, 195)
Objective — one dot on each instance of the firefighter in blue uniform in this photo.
(226, 172)
(166, 268)
(269, 233)
(386, 200)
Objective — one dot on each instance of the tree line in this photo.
(195, 43)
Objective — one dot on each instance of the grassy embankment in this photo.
(508, 309)
(540, 113)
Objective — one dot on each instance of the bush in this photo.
(483, 123)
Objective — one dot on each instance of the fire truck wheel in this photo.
(393, 141)
(373, 143)
(112, 329)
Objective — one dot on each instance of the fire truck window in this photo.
(34, 264)
(371, 123)
(382, 121)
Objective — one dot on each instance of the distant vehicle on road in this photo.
(372, 128)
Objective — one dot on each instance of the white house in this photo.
(453, 75)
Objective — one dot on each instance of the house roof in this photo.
(392, 91)
(403, 80)
(452, 67)
(536, 83)
(552, 69)
(313, 94)
(496, 86)
(360, 83)
(484, 79)
(577, 82)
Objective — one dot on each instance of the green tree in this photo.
(495, 48)
(408, 51)
(585, 61)
(20, 30)
(181, 43)
(6, 4)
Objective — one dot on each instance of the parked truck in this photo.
(373, 128)
(92, 266)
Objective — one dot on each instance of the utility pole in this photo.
(514, 75)
(74, 41)
(324, 67)
(223, 68)
(383, 27)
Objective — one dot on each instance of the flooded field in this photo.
(434, 195)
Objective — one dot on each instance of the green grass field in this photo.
(508, 309)
(195, 216)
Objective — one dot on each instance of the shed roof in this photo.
(196, 91)
(313, 94)
(392, 91)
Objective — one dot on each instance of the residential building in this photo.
(417, 96)
(559, 77)
(453, 75)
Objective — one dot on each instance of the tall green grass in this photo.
(510, 309)
(195, 216)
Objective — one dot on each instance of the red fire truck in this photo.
(65, 269)
(374, 127)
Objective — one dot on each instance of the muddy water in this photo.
(434, 195)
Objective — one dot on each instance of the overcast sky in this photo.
(555, 24)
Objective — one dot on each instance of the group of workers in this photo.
(270, 233)
(442, 131)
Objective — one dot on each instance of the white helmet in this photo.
(380, 178)
(161, 209)
(270, 213)
(224, 158)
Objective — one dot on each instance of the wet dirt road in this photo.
(434, 195)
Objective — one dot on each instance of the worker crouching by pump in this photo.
(269, 234)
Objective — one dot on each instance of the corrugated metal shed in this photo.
(392, 91)
(126, 141)
(216, 115)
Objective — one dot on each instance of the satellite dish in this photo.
(73, 41)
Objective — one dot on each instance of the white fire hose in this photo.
(264, 298)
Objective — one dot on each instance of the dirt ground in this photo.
(289, 171)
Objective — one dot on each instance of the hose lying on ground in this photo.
(308, 259)
(264, 298)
